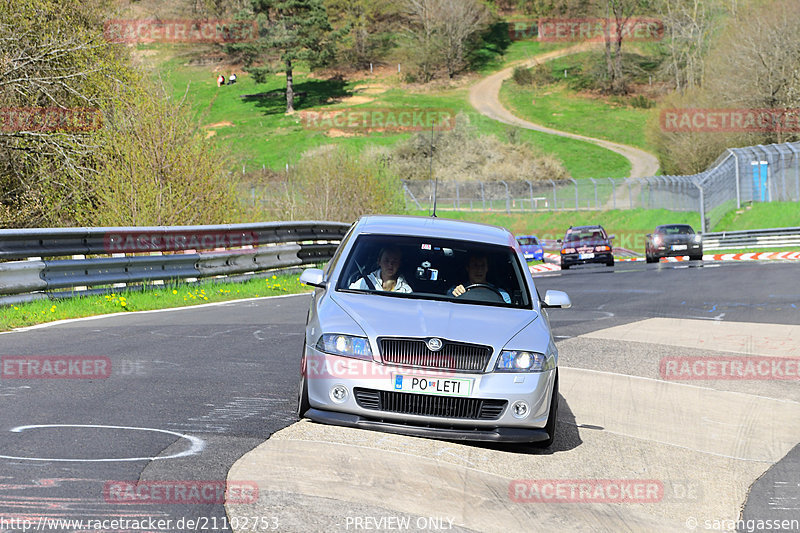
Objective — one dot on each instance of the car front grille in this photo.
(429, 405)
(454, 356)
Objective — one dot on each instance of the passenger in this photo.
(387, 277)
(477, 269)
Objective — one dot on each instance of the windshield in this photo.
(676, 230)
(527, 241)
(436, 269)
(584, 235)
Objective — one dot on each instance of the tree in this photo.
(294, 31)
(689, 26)
(442, 32)
(370, 25)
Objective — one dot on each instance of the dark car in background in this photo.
(673, 240)
(531, 247)
(586, 244)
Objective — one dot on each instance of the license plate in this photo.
(586, 256)
(433, 385)
(678, 246)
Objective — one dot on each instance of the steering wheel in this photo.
(481, 288)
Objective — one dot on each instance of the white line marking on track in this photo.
(198, 444)
(131, 313)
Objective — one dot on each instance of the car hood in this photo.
(405, 317)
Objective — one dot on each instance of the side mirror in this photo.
(556, 299)
(612, 237)
(313, 277)
(558, 241)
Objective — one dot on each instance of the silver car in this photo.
(430, 327)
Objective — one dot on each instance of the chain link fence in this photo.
(752, 174)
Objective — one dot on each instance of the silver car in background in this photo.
(481, 366)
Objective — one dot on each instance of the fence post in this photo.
(738, 185)
(483, 196)
(796, 171)
(555, 198)
(596, 202)
(458, 198)
(508, 198)
(702, 208)
(576, 192)
(613, 193)
(530, 188)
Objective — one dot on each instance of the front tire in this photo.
(552, 419)
(695, 258)
(610, 263)
(564, 266)
(303, 405)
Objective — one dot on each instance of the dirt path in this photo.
(484, 96)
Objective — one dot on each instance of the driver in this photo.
(387, 277)
(477, 268)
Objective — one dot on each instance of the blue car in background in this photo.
(531, 248)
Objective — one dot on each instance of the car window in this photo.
(431, 268)
(585, 235)
(527, 241)
(677, 230)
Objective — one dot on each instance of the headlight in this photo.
(568, 250)
(697, 238)
(346, 345)
(522, 361)
(602, 248)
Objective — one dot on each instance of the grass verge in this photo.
(154, 297)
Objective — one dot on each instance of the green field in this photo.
(248, 120)
(558, 107)
(155, 297)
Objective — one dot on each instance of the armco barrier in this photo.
(757, 238)
(144, 254)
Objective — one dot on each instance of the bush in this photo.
(461, 154)
(154, 167)
(640, 101)
(333, 183)
(523, 76)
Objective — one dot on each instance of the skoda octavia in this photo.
(430, 327)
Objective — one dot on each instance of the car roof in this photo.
(674, 226)
(434, 227)
(582, 228)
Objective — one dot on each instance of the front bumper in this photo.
(496, 434)
(667, 251)
(574, 259)
(325, 371)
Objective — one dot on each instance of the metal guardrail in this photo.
(757, 238)
(146, 254)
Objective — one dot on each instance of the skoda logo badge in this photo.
(434, 344)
